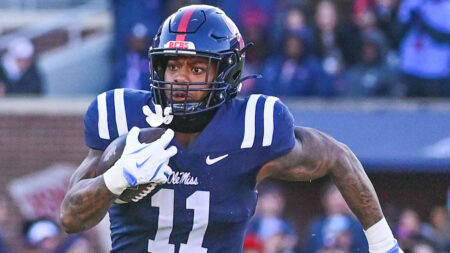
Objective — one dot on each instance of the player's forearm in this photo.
(85, 205)
(356, 188)
(323, 155)
(358, 191)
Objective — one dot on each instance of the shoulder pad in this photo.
(112, 114)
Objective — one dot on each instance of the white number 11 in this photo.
(164, 200)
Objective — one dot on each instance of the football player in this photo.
(214, 151)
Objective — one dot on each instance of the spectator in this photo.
(410, 230)
(74, 243)
(44, 236)
(295, 21)
(372, 76)
(448, 199)
(423, 247)
(250, 13)
(331, 250)
(295, 72)
(128, 13)
(366, 20)
(131, 17)
(425, 48)
(278, 235)
(253, 244)
(133, 70)
(379, 14)
(41, 236)
(386, 15)
(337, 230)
(18, 69)
(4, 247)
(254, 19)
(337, 42)
(292, 19)
(440, 222)
(256, 33)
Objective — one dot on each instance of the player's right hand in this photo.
(141, 163)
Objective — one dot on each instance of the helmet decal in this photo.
(183, 25)
(180, 45)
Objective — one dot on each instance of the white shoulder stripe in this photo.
(268, 120)
(249, 130)
(103, 130)
(121, 116)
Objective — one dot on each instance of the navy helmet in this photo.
(204, 31)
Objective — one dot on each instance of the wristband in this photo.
(114, 180)
(380, 237)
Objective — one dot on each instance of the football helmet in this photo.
(202, 31)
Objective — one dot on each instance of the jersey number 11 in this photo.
(164, 200)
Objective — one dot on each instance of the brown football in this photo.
(113, 152)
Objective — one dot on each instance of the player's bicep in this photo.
(87, 168)
(313, 155)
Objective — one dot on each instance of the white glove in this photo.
(141, 163)
(157, 118)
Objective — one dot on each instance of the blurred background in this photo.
(375, 74)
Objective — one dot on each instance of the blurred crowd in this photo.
(43, 235)
(40, 235)
(359, 48)
(336, 229)
(326, 48)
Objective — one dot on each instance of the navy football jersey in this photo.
(207, 202)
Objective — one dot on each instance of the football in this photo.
(114, 151)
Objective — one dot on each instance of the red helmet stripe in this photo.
(182, 27)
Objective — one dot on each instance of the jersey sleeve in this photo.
(268, 129)
(283, 139)
(97, 123)
(112, 114)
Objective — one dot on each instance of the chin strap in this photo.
(159, 117)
